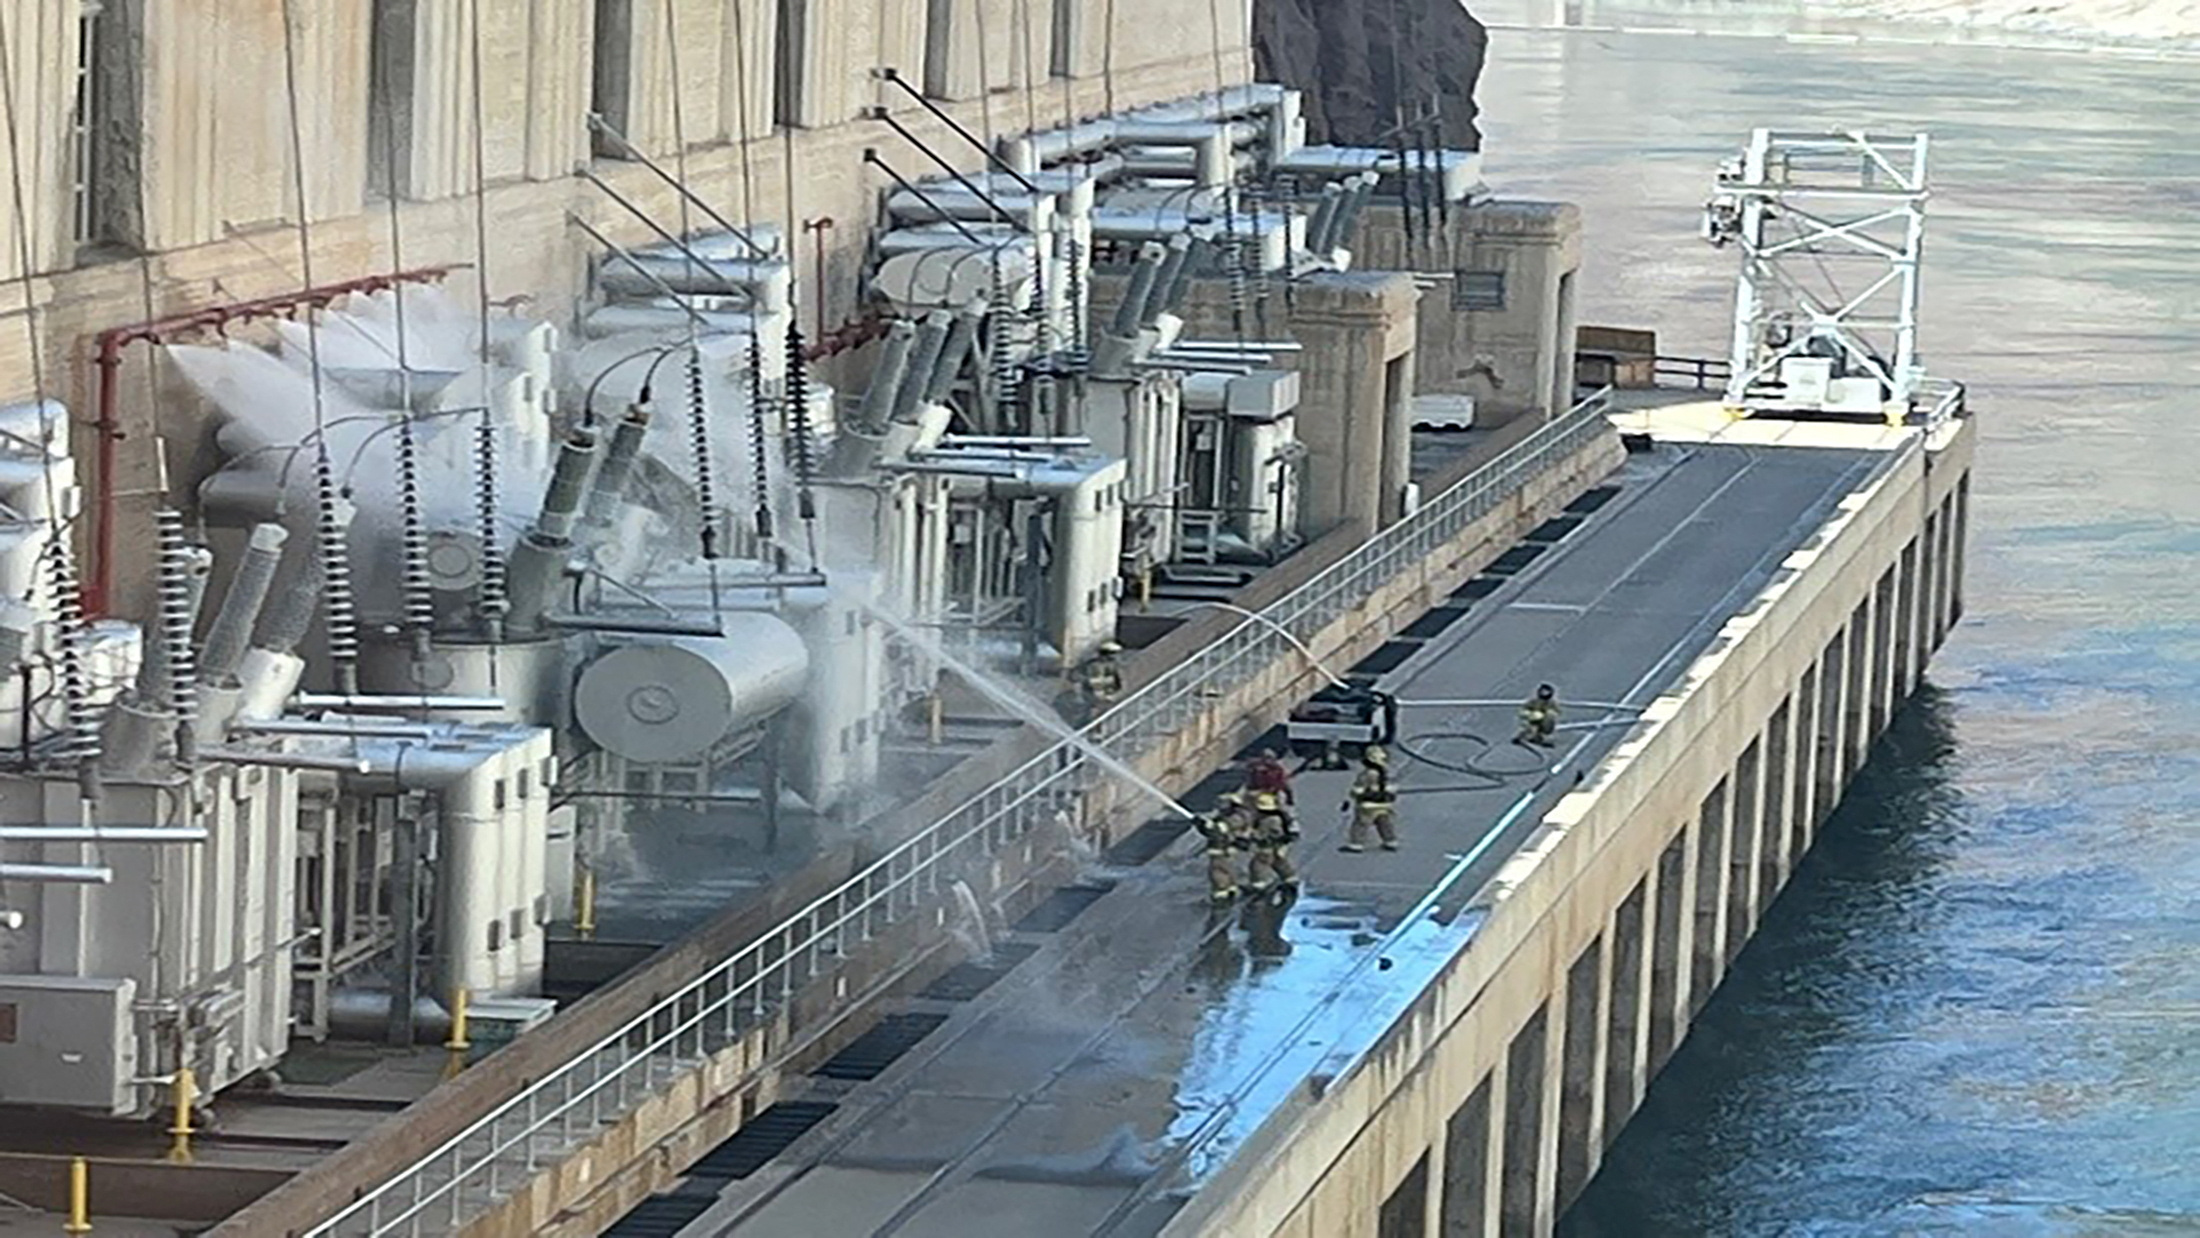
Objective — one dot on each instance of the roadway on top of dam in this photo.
(1092, 1076)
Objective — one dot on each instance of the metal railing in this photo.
(542, 1124)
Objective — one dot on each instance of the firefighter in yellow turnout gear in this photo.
(1539, 718)
(1224, 831)
(1374, 803)
(1271, 837)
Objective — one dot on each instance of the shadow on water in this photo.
(1836, 962)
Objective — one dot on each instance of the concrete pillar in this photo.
(817, 80)
(1501, 330)
(1523, 1183)
(1078, 38)
(1804, 813)
(1627, 1002)
(716, 95)
(205, 109)
(1856, 723)
(1774, 858)
(975, 47)
(1581, 1067)
(1196, 34)
(1470, 1164)
(1358, 437)
(1833, 726)
(1907, 643)
(1671, 932)
(1709, 955)
(1883, 653)
(1745, 833)
(1961, 557)
(43, 48)
(1935, 569)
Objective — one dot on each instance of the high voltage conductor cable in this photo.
(419, 588)
(338, 603)
(494, 604)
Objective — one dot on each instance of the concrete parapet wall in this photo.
(1496, 1093)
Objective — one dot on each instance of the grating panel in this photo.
(967, 980)
(661, 1216)
(1518, 557)
(1059, 908)
(760, 1139)
(1146, 842)
(1388, 658)
(1434, 622)
(1555, 528)
(871, 1053)
(1591, 500)
(1477, 589)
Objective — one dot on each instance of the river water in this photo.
(1977, 1008)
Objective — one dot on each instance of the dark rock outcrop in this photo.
(1360, 61)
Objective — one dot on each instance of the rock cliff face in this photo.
(1358, 60)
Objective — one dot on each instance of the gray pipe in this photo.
(531, 578)
(960, 340)
(1131, 314)
(1170, 277)
(893, 368)
(617, 469)
(924, 359)
(232, 628)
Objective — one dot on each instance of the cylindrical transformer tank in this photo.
(674, 700)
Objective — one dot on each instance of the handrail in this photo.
(554, 1115)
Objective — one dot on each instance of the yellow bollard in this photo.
(1145, 590)
(184, 1092)
(80, 1197)
(936, 724)
(584, 917)
(457, 1044)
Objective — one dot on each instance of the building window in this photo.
(1478, 291)
(98, 215)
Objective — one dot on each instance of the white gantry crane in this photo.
(1830, 228)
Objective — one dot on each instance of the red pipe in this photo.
(99, 584)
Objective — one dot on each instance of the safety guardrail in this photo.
(553, 1116)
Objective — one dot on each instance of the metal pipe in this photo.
(699, 262)
(602, 126)
(1321, 229)
(924, 358)
(287, 760)
(879, 113)
(339, 727)
(73, 874)
(663, 289)
(953, 441)
(638, 626)
(891, 75)
(107, 423)
(103, 834)
(385, 703)
(231, 631)
(872, 157)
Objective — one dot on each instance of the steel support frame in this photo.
(1844, 215)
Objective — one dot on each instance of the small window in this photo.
(1478, 291)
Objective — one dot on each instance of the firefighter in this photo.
(1273, 831)
(1103, 679)
(1373, 803)
(1224, 833)
(1266, 772)
(1539, 718)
